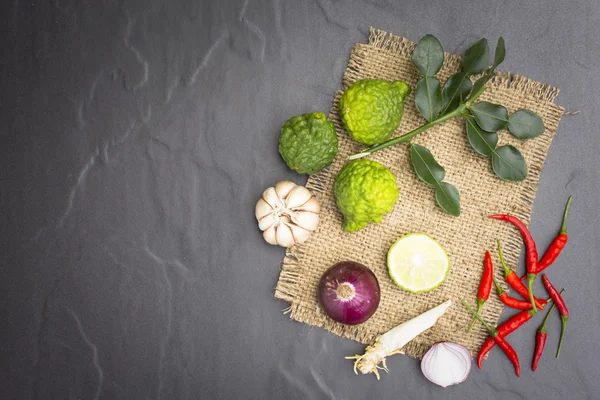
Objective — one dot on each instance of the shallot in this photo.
(446, 364)
(349, 293)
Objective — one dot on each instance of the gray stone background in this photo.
(136, 138)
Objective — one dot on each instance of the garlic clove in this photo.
(262, 209)
(267, 221)
(284, 236)
(306, 220)
(270, 235)
(270, 196)
(311, 205)
(283, 188)
(300, 235)
(297, 197)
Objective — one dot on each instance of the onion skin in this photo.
(349, 293)
(461, 358)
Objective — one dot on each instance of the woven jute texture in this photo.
(464, 238)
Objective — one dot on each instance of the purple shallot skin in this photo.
(349, 293)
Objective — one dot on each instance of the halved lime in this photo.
(417, 263)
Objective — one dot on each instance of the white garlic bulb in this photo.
(287, 214)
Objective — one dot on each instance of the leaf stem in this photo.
(407, 137)
(476, 94)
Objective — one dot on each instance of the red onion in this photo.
(446, 364)
(349, 293)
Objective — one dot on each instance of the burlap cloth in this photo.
(465, 238)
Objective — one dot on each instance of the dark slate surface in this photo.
(136, 138)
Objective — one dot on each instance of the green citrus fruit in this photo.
(417, 263)
(371, 109)
(364, 191)
(308, 142)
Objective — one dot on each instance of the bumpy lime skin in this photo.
(364, 192)
(308, 142)
(371, 109)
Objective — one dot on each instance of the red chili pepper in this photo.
(511, 301)
(561, 306)
(540, 340)
(557, 245)
(505, 329)
(509, 351)
(513, 280)
(485, 286)
(531, 255)
(500, 341)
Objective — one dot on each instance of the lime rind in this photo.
(419, 283)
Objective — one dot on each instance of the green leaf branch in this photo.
(457, 97)
(431, 172)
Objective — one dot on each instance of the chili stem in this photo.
(479, 307)
(530, 279)
(492, 331)
(563, 228)
(563, 321)
(499, 289)
(542, 327)
(501, 255)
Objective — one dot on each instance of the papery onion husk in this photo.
(349, 293)
(446, 364)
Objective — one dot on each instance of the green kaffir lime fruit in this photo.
(371, 109)
(364, 191)
(308, 142)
